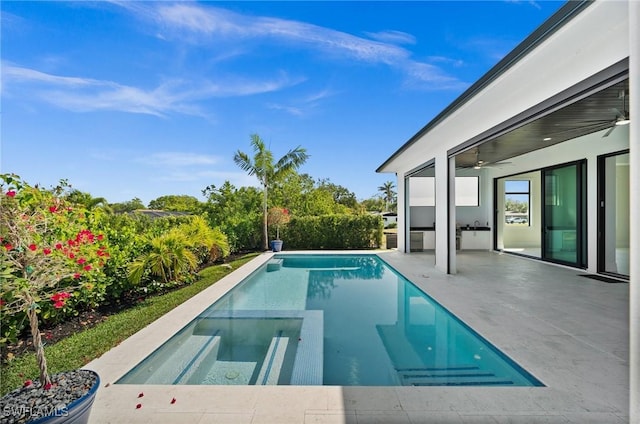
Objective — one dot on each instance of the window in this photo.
(423, 193)
(517, 194)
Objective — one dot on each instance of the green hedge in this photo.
(333, 232)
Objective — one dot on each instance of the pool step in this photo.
(451, 376)
(274, 264)
(273, 361)
(210, 347)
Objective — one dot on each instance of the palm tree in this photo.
(388, 194)
(169, 258)
(268, 172)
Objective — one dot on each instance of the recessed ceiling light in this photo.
(546, 139)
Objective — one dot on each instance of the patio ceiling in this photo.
(595, 113)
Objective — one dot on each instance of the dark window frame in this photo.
(520, 193)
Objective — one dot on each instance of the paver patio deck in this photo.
(569, 331)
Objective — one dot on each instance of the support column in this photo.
(452, 219)
(634, 203)
(403, 212)
(445, 214)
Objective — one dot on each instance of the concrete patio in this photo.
(569, 331)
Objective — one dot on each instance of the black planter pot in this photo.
(69, 400)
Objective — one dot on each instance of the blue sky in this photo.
(142, 99)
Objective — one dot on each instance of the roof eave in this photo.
(567, 12)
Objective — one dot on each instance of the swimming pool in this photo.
(318, 319)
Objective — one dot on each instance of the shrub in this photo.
(333, 232)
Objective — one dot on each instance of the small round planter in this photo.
(276, 245)
(34, 405)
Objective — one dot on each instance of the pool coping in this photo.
(320, 404)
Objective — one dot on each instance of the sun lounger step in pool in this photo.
(273, 361)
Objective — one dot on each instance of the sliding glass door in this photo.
(564, 214)
(613, 214)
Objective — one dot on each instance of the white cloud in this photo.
(173, 96)
(178, 159)
(214, 27)
(396, 37)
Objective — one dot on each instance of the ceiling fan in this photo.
(622, 118)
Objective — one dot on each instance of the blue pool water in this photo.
(348, 320)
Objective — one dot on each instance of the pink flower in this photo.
(87, 268)
(81, 261)
(33, 247)
(76, 275)
(11, 193)
(58, 246)
(46, 251)
(59, 304)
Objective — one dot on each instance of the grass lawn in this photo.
(81, 348)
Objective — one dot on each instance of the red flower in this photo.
(71, 255)
(33, 247)
(53, 209)
(59, 304)
(58, 246)
(2, 302)
(27, 383)
(46, 251)
(47, 386)
(11, 193)
(8, 246)
(87, 268)
(100, 237)
(81, 261)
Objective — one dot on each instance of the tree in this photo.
(388, 194)
(128, 206)
(176, 203)
(87, 200)
(263, 167)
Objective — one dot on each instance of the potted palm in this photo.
(48, 258)
(278, 217)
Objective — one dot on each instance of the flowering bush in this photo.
(278, 217)
(47, 254)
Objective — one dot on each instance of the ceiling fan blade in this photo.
(613, 127)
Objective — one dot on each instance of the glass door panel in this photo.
(563, 227)
(614, 214)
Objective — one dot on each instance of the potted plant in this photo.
(48, 258)
(278, 216)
